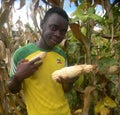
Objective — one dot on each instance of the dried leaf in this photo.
(77, 112)
(22, 3)
(109, 102)
(106, 102)
(76, 31)
(55, 2)
(2, 50)
(96, 2)
(4, 16)
(99, 106)
(36, 5)
(113, 69)
(105, 111)
(0, 109)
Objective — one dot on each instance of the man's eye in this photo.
(53, 27)
(63, 32)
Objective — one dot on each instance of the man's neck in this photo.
(41, 44)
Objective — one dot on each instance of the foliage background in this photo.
(92, 94)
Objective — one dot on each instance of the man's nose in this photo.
(58, 33)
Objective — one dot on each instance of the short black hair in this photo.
(56, 10)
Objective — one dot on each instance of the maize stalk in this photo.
(2, 50)
(73, 71)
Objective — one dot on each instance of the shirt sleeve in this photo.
(13, 68)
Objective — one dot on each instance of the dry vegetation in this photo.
(92, 94)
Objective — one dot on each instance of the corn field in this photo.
(96, 93)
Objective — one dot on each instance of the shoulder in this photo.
(24, 51)
(60, 51)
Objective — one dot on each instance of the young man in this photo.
(43, 96)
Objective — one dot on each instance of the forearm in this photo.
(14, 85)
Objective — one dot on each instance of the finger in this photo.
(64, 78)
(37, 64)
(25, 60)
(35, 60)
(22, 61)
(58, 80)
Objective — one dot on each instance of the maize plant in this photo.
(97, 90)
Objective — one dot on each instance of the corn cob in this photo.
(42, 55)
(73, 71)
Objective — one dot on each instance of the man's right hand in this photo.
(26, 68)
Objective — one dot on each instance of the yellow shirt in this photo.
(44, 96)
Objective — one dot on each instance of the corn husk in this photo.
(115, 69)
(73, 71)
(42, 55)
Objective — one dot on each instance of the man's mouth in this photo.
(54, 41)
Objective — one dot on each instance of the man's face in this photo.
(54, 30)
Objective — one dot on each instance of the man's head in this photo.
(54, 27)
(56, 10)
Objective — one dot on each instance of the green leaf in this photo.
(95, 17)
(106, 61)
(91, 10)
(117, 33)
(83, 17)
(79, 81)
(84, 31)
(78, 11)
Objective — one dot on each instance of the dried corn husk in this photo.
(73, 71)
(42, 55)
(111, 70)
(2, 50)
(115, 69)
